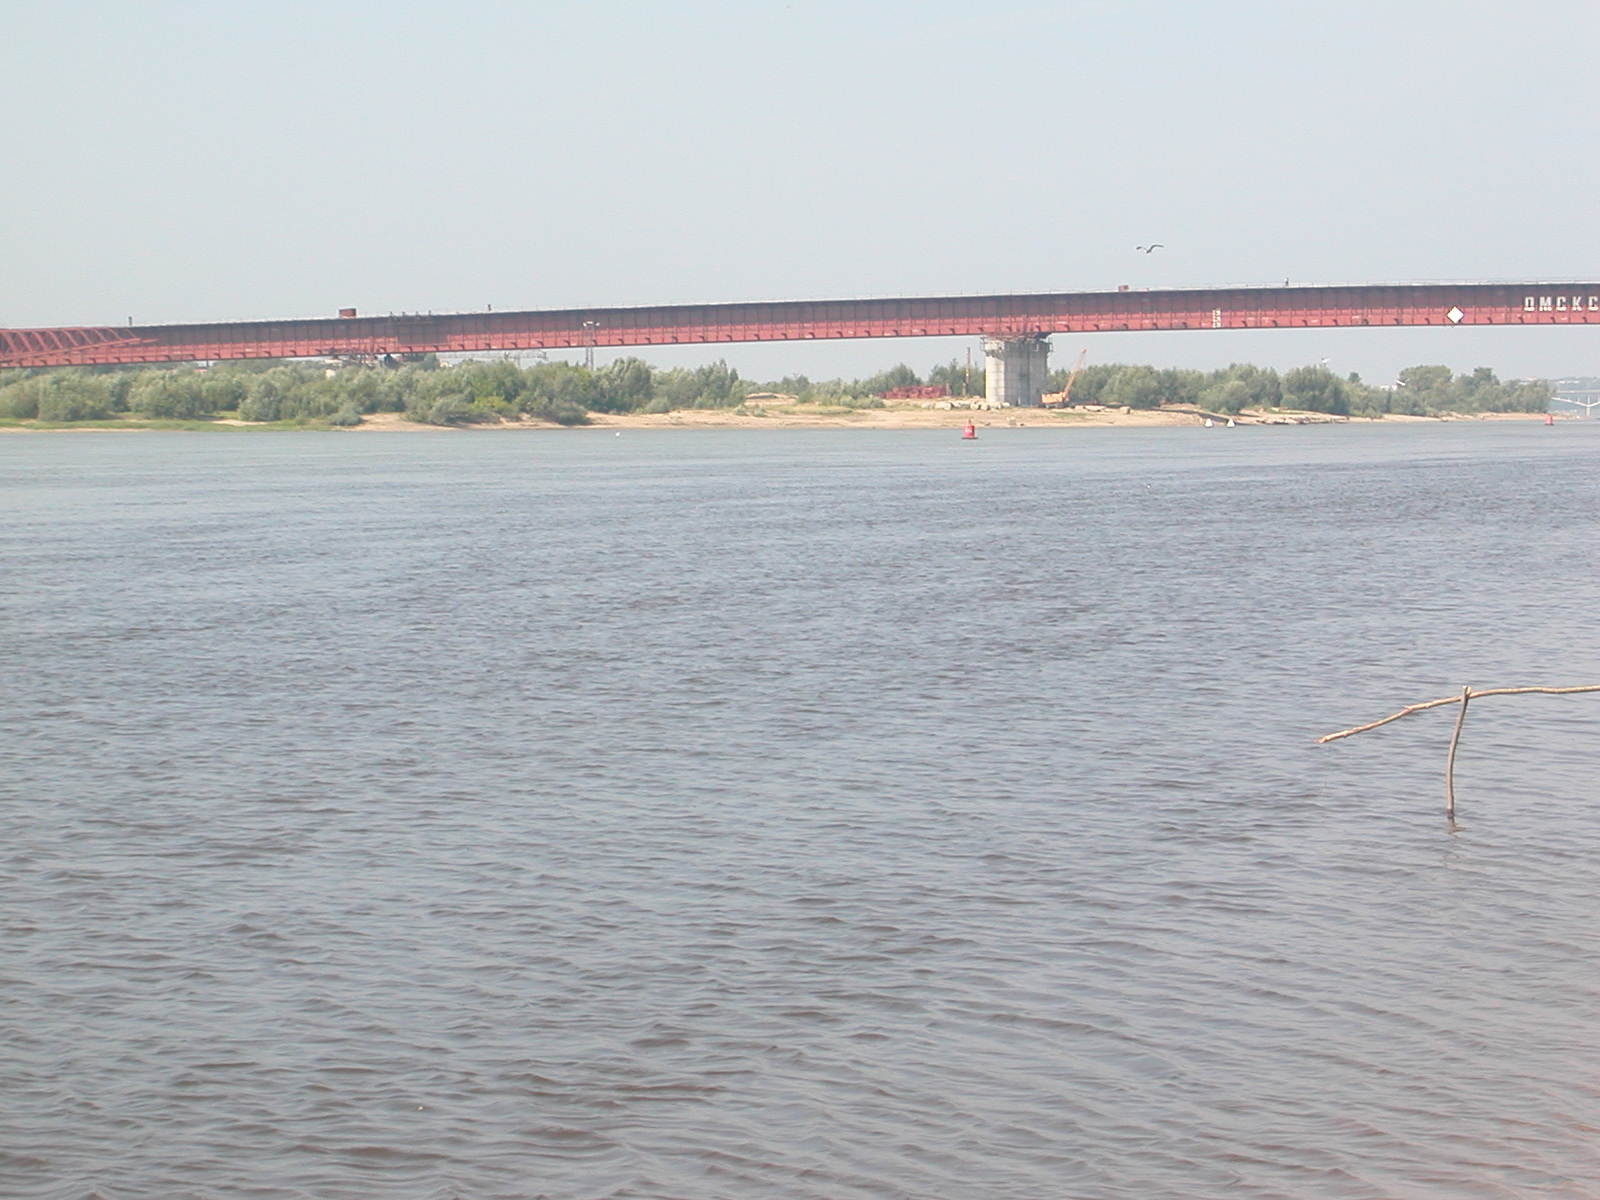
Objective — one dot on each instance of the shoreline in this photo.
(822, 417)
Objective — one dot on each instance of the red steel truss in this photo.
(1380, 305)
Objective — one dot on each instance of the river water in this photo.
(814, 814)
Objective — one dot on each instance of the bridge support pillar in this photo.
(1016, 369)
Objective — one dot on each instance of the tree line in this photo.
(565, 393)
(1419, 391)
(316, 392)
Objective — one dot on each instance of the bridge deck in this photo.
(1382, 305)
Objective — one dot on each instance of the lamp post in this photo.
(588, 351)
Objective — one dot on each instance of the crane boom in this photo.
(1064, 398)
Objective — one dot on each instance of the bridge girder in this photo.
(1002, 316)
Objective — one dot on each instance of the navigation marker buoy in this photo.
(970, 433)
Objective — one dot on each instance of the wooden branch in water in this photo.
(1466, 695)
(1450, 759)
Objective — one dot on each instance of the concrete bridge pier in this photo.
(1016, 369)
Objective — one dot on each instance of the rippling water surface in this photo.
(797, 814)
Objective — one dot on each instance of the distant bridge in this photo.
(1015, 326)
(1568, 391)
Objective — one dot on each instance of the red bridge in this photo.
(1016, 324)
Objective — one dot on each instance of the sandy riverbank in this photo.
(916, 417)
(823, 417)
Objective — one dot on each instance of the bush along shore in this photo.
(320, 395)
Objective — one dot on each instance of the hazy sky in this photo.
(220, 161)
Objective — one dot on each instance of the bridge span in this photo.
(1015, 328)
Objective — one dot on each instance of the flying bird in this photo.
(1150, 247)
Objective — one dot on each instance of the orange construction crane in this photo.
(1061, 401)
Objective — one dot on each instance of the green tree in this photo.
(1478, 392)
(74, 396)
(716, 385)
(1533, 395)
(897, 376)
(960, 379)
(560, 412)
(558, 386)
(1090, 385)
(452, 409)
(1315, 389)
(172, 394)
(1131, 387)
(1178, 386)
(1264, 388)
(1427, 389)
(502, 380)
(625, 385)
(19, 398)
(269, 396)
(1226, 396)
(789, 385)
(119, 384)
(223, 391)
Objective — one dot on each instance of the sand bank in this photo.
(890, 417)
(917, 417)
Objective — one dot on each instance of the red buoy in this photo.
(971, 431)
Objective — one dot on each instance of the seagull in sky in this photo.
(1150, 247)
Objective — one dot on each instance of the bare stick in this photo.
(1466, 697)
(1467, 694)
(1450, 759)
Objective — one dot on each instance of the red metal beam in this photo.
(1369, 306)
